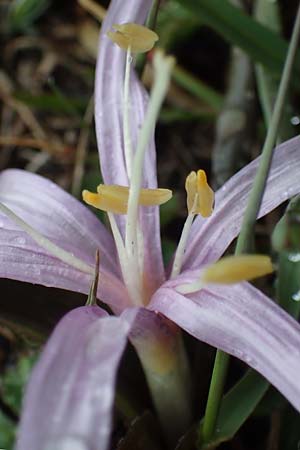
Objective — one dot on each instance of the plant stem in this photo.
(267, 151)
(215, 395)
(165, 364)
(246, 234)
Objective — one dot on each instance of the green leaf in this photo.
(290, 431)
(7, 432)
(13, 382)
(286, 241)
(24, 12)
(197, 88)
(174, 24)
(268, 14)
(237, 405)
(260, 43)
(53, 102)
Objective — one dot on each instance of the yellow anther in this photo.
(233, 269)
(114, 198)
(200, 196)
(137, 38)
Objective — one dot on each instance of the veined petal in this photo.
(109, 126)
(57, 215)
(210, 237)
(109, 98)
(33, 265)
(242, 321)
(64, 221)
(69, 398)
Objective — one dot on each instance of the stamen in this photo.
(231, 270)
(131, 35)
(197, 184)
(114, 198)
(200, 200)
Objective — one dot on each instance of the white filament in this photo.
(126, 114)
(179, 255)
(134, 289)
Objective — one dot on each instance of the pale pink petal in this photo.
(109, 98)
(68, 224)
(242, 321)
(210, 237)
(109, 127)
(69, 398)
(35, 266)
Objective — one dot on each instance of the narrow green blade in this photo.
(260, 43)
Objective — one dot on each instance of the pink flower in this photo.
(69, 399)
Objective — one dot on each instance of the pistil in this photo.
(163, 68)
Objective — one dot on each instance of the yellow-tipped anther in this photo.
(233, 269)
(137, 38)
(200, 196)
(114, 198)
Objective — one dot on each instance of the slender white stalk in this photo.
(117, 237)
(126, 114)
(44, 242)
(140, 246)
(162, 67)
(131, 281)
(179, 255)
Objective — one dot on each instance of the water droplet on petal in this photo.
(295, 120)
(296, 296)
(20, 240)
(294, 257)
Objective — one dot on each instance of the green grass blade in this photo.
(260, 43)
(234, 412)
